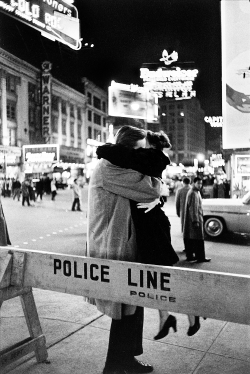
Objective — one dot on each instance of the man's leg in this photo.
(125, 339)
(189, 247)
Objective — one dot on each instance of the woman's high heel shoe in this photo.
(170, 322)
(193, 329)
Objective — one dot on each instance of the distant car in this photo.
(221, 215)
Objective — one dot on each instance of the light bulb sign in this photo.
(214, 121)
(55, 19)
(170, 82)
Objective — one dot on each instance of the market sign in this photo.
(170, 82)
(214, 121)
(55, 19)
(132, 101)
(41, 153)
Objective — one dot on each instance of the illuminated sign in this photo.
(169, 59)
(174, 83)
(216, 160)
(55, 19)
(132, 101)
(46, 100)
(214, 121)
(41, 153)
(243, 164)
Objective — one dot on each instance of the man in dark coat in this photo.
(193, 232)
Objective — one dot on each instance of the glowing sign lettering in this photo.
(215, 121)
(46, 101)
(55, 19)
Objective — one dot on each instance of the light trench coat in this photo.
(193, 214)
(110, 231)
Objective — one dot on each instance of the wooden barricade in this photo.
(214, 295)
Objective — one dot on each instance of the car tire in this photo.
(214, 227)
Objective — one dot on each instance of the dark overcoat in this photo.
(193, 214)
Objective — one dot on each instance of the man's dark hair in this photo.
(129, 135)
(159, 140)
(186, 180)
(196, 179)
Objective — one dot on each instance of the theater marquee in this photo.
(55, 19)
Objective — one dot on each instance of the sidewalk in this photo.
(77, 338)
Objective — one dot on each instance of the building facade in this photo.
(183, 122)
(71, 118)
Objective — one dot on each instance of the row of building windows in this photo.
(96, 102)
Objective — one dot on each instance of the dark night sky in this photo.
(126, 34)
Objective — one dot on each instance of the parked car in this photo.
(221, 215)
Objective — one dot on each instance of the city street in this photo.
(52, 226)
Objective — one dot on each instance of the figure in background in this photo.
(76, 196)
(4, 235)
(215, 189)
(16, 189)
(25, 192)
(180, 201)
(53, 189)
(39, 189)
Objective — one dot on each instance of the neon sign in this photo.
(55, 19)
(46, 100)
(215, 121)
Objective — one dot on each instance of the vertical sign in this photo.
(235, 73)
(46, 100)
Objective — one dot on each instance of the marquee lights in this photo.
(55, 19)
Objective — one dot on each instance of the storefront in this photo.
(10, 160)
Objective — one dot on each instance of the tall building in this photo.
(183, 122)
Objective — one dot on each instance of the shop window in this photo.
(89, 132)
(72, 111)
(72, 129)
(79, 131)
(11, 110)
(97, 103)
(89, 98)
(64, 126)
(55, 101)
(64, 107)
(10, 83)
(89, 115)
(97, 119)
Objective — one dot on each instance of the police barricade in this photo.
(215, 295)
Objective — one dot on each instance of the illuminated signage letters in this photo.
(55, 19)
(41, 153)
(214, 121)
(46, 100)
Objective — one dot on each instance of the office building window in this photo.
(104, 106)
(89, 132)
(104, 122)
(79, 116)
(12, 137)
(64, 126)
(54, 124)
(10, 83)
(97, 119)
(89, 115)
(97, 103)
(72, 112)
(89, 98)
(64, 107)
(79, 131)
(54, 104)
(11, 110)
(72, 133)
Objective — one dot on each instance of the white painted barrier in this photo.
(214, 295)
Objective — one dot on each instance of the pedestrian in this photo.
(4, 235)
(180, 200)
(193, 232)
(53, 189)
(76, 196)
(31, 191)
(25, 192)
(177, 184)
(39, 189)
(111, 235)
(16, 189)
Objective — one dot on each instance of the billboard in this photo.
(55, 19)
(132, 101)
(235, 73)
